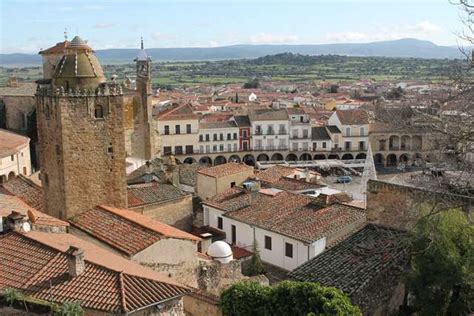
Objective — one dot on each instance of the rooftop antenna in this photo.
(65, 34)
(141, 43)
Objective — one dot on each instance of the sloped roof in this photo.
(354, 262)
(333, 129)
(11, 143)
(151, 193)
(23, 89)
(35, 264)
(127, 231)
(27, 191)
(177, 112)
(242, 120)
(275, 173)
(353, 117)
(56, 49)
(320, 133)
(268, 115)
(224, 170)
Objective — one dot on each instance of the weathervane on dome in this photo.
(65, 34)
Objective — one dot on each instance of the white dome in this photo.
(220, 251)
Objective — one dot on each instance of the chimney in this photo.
(253, 188)
(15, 221)
(148, 174)
(206, 240)
(75, 260)
(175, 176)
(308, 175)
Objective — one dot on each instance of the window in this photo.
(245, 146)
(288, 250)
(229, 136)
(258, 129)
(12, 157)
(201, 138)
(229, 147)
(178, 150)
(361, 145)
(214, 137)
(221, 136)
(188, 128)
(315, 146)
(220, 223)
(268, 242)
(348, 131)
(207, 137)
(362, 131)
(189, 149)
(177, 129)
(244, 134)
(305, 133)
(235, 135)
(234, 234)
(98, 111)
(324, 144)
(221, 147)
(214, 148)
(167, 130)
(24, 171)
(347, 145)
(167, 150)
(235, 147)
(232, 184)
(208, 148)
(201, 148)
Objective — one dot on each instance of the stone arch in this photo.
(219, 160)
(403, 158)
(234, 158)
(291, 157)
(347, 157)
(11, 175)
(206, 160)
(305, 157)
(277, 157)
(393, 143)
(416, 142)
(249, 160)
(378, 160)
(98, 111)
(405, 142)
(333, 156)
(361, 156)
(263, 157)
(392, 160)
(319, 157)
(189, 160)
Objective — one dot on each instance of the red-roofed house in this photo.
(354, 127)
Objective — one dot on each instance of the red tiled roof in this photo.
(58, 48)
(239, 253)
(126, 230)
(275, 173)
(10, 202)
(178, 112)
(150, 193)
(353, 117)
(11, 143)
(225, 169)
(40, 270)
(27, 191)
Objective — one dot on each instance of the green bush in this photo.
(286, 298)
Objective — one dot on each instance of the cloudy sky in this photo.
(29, 25)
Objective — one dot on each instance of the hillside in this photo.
(398, 48)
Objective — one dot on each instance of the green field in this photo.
(282, 67)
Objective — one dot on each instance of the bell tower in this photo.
(81, 135)
(143, 86)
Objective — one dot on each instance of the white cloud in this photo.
(267, 38)
(421, 30)
(104, 25)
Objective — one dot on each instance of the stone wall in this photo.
(169, 308)
(196, 305)
(399, 206)
(82, 157)
(177, 212)
(16, 109)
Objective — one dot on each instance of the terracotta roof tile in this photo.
(41, 271)
(150, 193)
(225, 169)
(275, 173)
(27, 191)
(177, 112)
(353, 117)
(11, 143)
(125, 230)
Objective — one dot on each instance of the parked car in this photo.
(344, 179)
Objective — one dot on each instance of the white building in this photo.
(354, 127)
(269, 129)
(14, 155)
(218, 137)
(300, 129)
(289, 228)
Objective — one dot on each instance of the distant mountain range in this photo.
(399, 48)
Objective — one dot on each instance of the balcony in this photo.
(282, 132)
(258, 132)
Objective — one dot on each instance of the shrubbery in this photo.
(286, 298)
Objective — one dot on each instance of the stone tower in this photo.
(143, 85)
(81, 135)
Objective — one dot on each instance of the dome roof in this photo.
(219, 250)
(78, 67)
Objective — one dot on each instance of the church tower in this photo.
(144, 93)
(81, 135)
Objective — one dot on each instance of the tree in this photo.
(70, 309)
(255, 266)
(252, 84)
(442, 273)
(286, 298)
(333, 89)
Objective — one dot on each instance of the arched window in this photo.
(98, 111)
